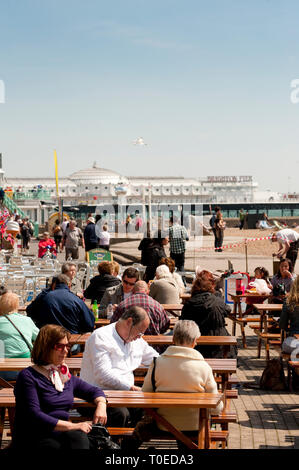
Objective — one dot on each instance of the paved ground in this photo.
(266, 420)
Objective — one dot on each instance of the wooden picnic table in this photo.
(238, 317)
(149, 401)
(222, 367)
(174, 309)
(160, 340)
(104, 322)
(266, 311)
(185, 297)
(218, 365)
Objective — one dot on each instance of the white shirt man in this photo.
(111, 355)
(288, 243)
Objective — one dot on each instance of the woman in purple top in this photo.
(45, 393)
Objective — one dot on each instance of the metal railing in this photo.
(33, 194)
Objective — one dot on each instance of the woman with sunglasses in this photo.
(45, 393)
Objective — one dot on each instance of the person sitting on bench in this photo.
(179, 369)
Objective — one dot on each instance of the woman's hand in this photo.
(84, 426)
(100, 414)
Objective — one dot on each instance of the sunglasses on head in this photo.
(129, 283)
(62, 346)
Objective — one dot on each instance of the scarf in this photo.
(59, 375)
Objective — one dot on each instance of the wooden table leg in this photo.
(224, 382)
(206, 415)
(2, 419)
(11, 417)
(202, 429)
(267, 346)
(234, 318)
(240, 314)
(259, 346)
(259, 343)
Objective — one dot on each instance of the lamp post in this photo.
(150, 204)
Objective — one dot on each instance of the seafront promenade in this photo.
(199, 251)
(265, 420)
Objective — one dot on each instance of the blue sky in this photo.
(206, 84)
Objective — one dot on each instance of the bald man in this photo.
(159, 321)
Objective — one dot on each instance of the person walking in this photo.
(90, 238)
(26, 235)
(104, 239)
(242, 218)
(219, 230)
(57, 234)
(177, 239)
(70, 240)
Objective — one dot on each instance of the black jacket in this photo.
(98, 285)
(143, 247)
(90, 238)
(208, 311)
(61, 307)
(154, 253)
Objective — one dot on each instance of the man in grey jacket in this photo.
(117, 294)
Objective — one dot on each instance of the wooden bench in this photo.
(232, 380)
(215, 436)
(256, 326)
(269, 338)
(237, 316)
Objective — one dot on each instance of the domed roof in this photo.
(96, 175)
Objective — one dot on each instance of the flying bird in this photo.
(139, 141)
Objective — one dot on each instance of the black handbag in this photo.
(100, 438)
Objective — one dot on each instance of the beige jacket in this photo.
(165, 291)
(182, 369)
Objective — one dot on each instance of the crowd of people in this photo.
(46, 390)
(66, 235)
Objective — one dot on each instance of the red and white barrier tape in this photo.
(234, 245)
